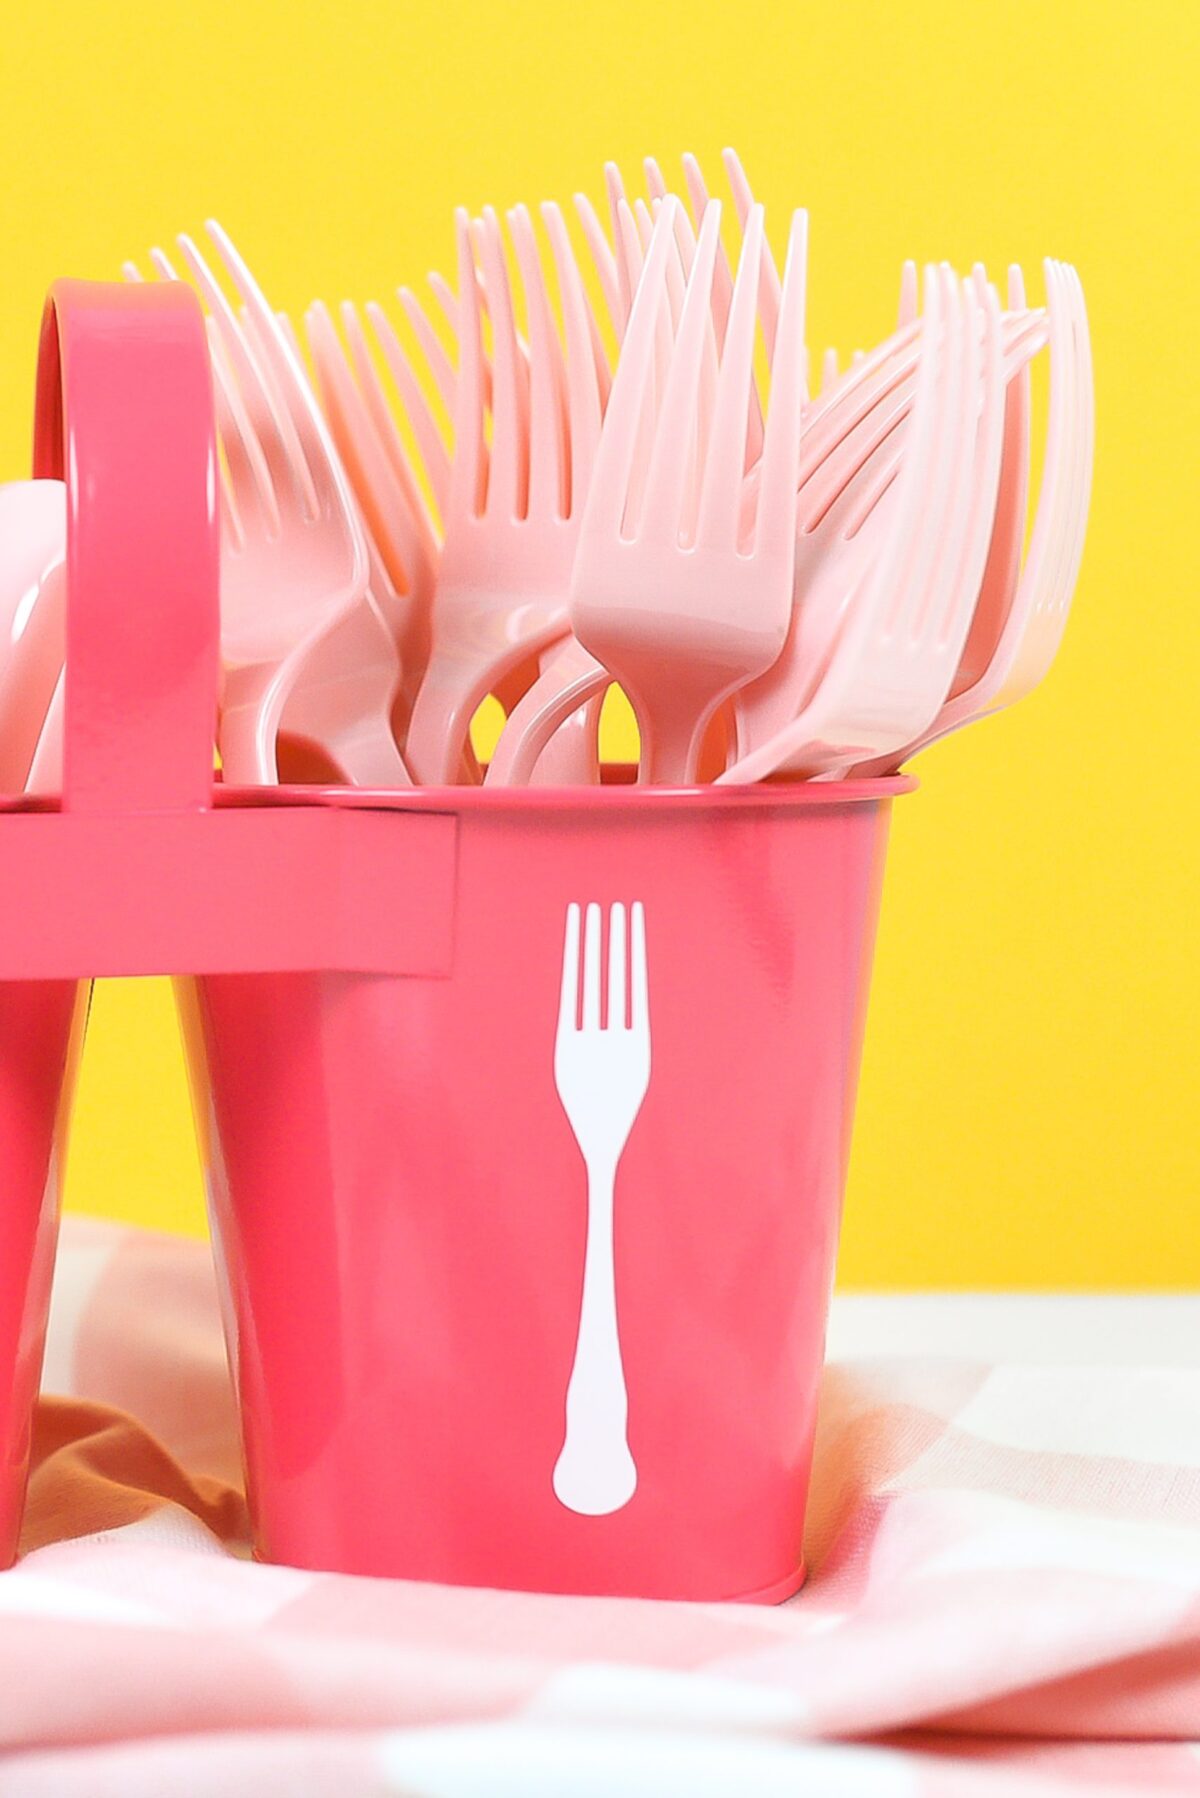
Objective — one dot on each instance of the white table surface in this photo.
(1048, 1329)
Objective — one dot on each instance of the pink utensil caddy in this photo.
(397, 1089)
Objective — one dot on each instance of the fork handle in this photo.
(595, 1472)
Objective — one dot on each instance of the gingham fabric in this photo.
(1004, 1541)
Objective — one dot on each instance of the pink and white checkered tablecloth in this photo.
(1005, 1591)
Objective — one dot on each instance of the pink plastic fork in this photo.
(293, 560)
(906, 616)
(1021, 613)
(573, 677)
(843, 523)
(402, 547)
(1047, 603)
(512, 520)
(665, 596)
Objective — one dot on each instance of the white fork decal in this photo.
(601, 1070)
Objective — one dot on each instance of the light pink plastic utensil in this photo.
(349, 692)
(679, 610)
(904, 617)
(843, 524)
(512, 518)
(1022, 612)
(574, 677)
(580, 388)
(293, 560)
(402, 545)
(1057, 547)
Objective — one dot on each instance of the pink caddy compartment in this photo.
(401, 1202)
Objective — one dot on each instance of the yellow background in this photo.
(1028, 1109)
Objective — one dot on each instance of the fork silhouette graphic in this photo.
(601, 1070)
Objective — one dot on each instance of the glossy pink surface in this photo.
(173, 882)
(401, 1204)
(132, 380)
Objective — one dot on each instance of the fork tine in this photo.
(1066, 494)
(770, 291)
(249, 481)
(548, 470)
(605, 261)
(963, 470)
(630, 256)
(668, 319)
(341, 400)
(402, 531)
(293, 338)
(698, 448)
(255, 404)
(231, 525)
(860, 452)
(918, 502)
(617, 449)
(636, 237)
(913, 481)
(468, 470)
(979, 506)
(668, 477)
(624, 242)
(584, 399)
(232, 462)
(432, 348)
(431, 445)
(639, 994)
(632, 264)
(1030, 336)
(958, 463)
(906, 312)
(568, 991)
(1051, 496)
(447, 299)
(302, 428)
(1073, 450)
(686, 237)
(605, 264)
(722, 295)
(892, 350)
(1087, 428)
(591, 968)
(616, 968)
(344, 407)
(247, 468)
(677, 269)
(721, 493)
(934, 542)
(422, 538)
(508, 478)
(1081, 440)
(775, 528)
